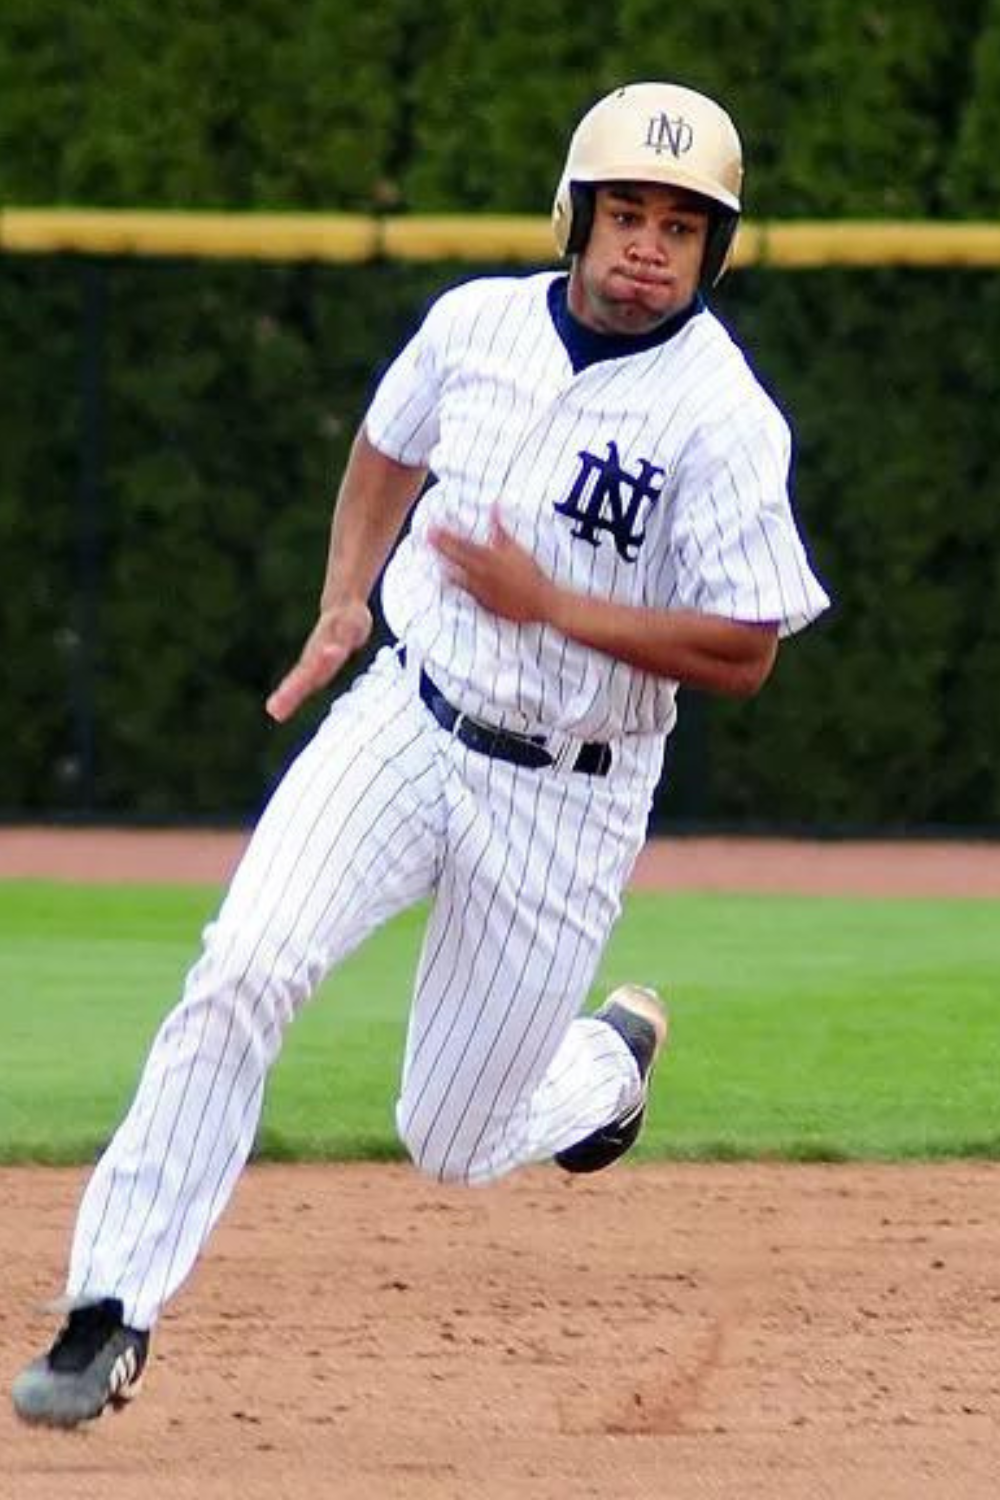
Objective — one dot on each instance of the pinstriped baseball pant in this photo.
(524, 869)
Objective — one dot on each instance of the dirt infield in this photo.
(864, 868)
(656, 1333)
(744, 1333)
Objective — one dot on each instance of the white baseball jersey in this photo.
(655, 477)
(658, 479)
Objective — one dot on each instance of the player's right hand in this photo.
(338, 633)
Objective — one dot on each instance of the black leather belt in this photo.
(592, 759)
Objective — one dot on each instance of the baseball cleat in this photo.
(640, 1018)
(96, 1361)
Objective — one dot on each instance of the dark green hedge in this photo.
(170, 434)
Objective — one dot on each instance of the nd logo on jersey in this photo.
(597, 502)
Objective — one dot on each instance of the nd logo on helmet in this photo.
(665, 134)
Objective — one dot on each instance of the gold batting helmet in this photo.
(661, 133)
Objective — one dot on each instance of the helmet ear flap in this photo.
(721, 232)
(581, 198)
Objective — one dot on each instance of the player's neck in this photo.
(587, 345)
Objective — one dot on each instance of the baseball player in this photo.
(597, 489)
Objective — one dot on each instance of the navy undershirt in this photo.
(585, 346)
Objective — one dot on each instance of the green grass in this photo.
(804, 1028)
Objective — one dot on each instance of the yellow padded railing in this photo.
(795, 244)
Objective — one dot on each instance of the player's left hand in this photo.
(499, 573)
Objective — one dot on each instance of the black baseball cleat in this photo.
(96, 1361)
(640, 1018)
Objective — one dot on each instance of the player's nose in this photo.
(648, 247)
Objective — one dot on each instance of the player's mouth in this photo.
(646, 281)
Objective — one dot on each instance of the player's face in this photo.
(642, 261)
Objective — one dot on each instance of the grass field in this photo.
(803, 1027)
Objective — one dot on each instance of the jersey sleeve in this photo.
(402, 420)
(738, 551)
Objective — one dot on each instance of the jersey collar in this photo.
(585, 346)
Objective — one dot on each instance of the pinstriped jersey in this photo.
(656, 478)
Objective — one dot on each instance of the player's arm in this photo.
(703, 651)
(375, 497)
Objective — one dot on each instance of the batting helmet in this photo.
(661, 133)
